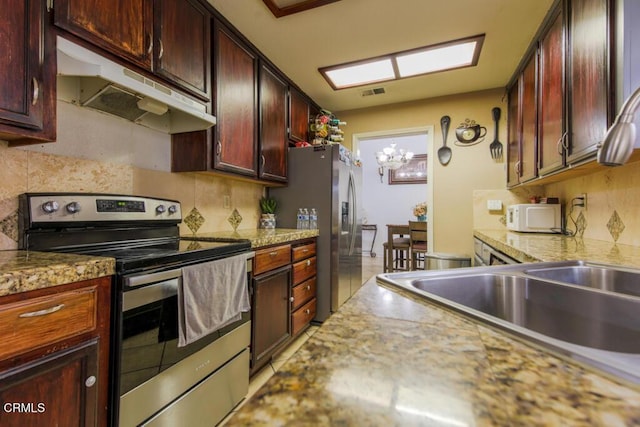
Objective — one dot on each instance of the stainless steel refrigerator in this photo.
(324, 178)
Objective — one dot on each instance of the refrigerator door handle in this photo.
(352, 214)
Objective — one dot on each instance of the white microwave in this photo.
(534, 218)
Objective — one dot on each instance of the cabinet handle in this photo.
(218, 148)
(149, 44)
(518, 168)
(565, 141)
(273, 253)
(43, 312)
(161, 49)
(90, 381)
(263, 161)
(291, 299)
(308, 262)
(307, 311)
(305, 250)
(36, 91)
(308, 287)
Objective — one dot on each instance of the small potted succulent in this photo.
(268, 207)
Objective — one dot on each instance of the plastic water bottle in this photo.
(299, 220)
(305, 219)
(313, 219)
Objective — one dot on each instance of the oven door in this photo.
(154, 371)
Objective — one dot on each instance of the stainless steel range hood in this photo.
(91, 80)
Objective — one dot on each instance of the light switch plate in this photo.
(494, 205)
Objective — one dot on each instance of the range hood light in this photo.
(152, 106)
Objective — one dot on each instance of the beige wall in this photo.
(471, 167)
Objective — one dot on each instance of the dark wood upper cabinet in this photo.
(589, 100)
(273, 125)
(551, 136)
(299, 119)
(528, 169)
(235, 81)
(513, 135)
(182, 45)
(123, 27)
(28, 69)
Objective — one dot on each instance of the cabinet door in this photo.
(299, 118)
(551, 98)
(182, 40)
(271, 313)
(27, 66)
(236, 88)
(273, 126)
(123, 27)
(513, 131)
(589, 81)
(529, 121)
(60, 389)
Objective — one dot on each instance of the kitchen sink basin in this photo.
(579, 310)
(588, 319)
(593, 276)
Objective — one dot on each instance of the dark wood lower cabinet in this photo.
(60, 389)
(271, 323)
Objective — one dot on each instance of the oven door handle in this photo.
(145, 279)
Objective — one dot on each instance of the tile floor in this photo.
(370, 267)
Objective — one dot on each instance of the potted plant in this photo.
(268, 207)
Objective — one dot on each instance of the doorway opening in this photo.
(386, 201)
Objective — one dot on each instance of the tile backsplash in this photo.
(29, 171)
(611, 214)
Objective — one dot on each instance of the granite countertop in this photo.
(259, 237)
(533, 247)
(387, 358)
(22, 271)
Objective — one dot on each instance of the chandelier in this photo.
(392, 159)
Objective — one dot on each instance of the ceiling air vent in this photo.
(374, 91)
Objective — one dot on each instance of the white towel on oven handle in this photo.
(212, 295)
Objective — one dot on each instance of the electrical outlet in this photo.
(226, 202)
(581, 201)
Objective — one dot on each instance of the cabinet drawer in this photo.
(303, 251)
(304, 292)
(302, 316)
(270, 258)
(303, 270)
(41, 321)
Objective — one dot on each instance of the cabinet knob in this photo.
(36, 91)
(308, 287)
(308, 262)
(89, 382)
(307, 311)
(291, 299)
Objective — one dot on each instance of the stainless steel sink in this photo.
(571, 308)
(594, 276)
(588, 319)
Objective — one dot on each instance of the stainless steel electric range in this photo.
(152, 380)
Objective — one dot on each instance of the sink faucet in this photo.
(620, 139)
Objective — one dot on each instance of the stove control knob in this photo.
(50, 207)
(173, 209)
(73, 207)
(160, 209)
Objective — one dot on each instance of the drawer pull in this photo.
(274, 253)
(308, 287)
(307, 311)
(305, 250)
(42, 312)
(308, 262)
(36, 91)
(90, 381)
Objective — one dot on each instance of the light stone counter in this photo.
(22, 271)
(259, 237)
(532, 247)
(387, 358)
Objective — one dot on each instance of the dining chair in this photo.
(417, 243)
(396, 248)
